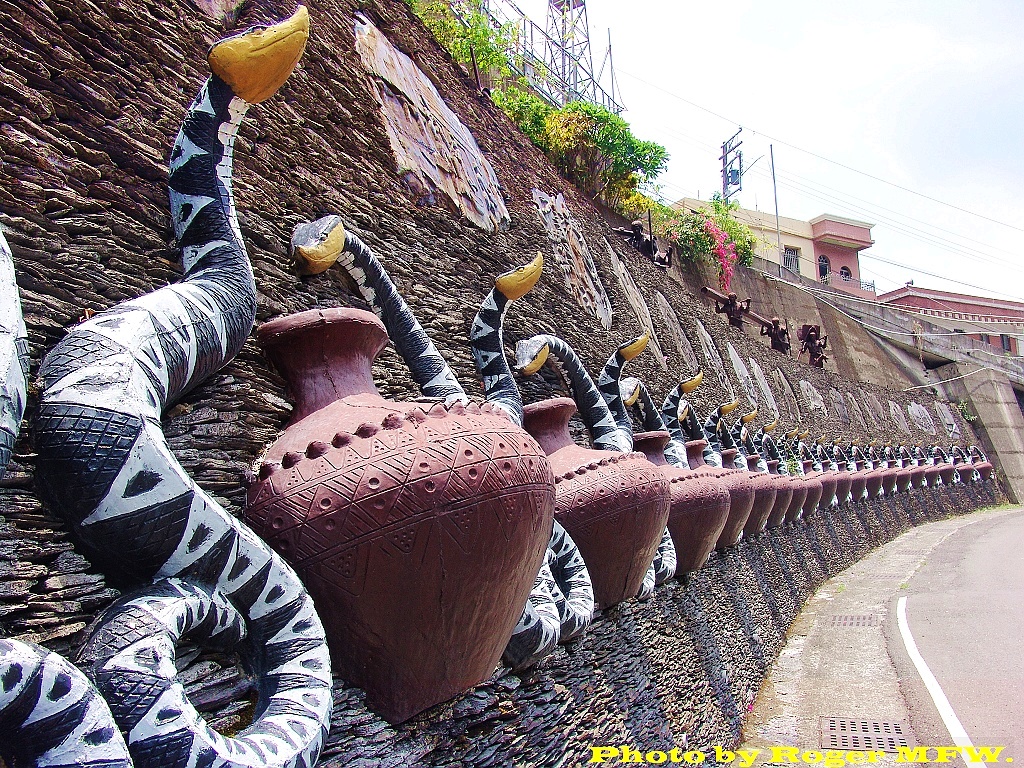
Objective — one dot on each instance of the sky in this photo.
(927, 95)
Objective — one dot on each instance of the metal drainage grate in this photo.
(855, 620)
(847, 733)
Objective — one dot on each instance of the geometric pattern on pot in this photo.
(676, 333)
(813, 397)
(789, 398)
(839, 405)
(897, 415)
(614, 505)
(418, 533)
(855, 410)
(433, 150)
(740, 369)
(637, 302)
(573, 256)
(922, 418)
(762, 383)
(713, 358)
(946, 416)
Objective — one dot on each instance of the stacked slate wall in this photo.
(91, 95)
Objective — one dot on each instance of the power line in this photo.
(898, 226)
(822, 157)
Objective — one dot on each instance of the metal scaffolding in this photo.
(557, 61)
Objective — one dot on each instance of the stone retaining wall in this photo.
(681, 668)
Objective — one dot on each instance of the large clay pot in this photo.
(844, 484)
(418, 533)
(985, 469)
(917, 473)
(860, 481)
(931, 475)
(700, 505)
(614, 505)
(904, 479)
(785, 488)
(875, 482)
(816, 487)
(739, 485)
(764, 498)
(890, 478)
(802, 487)
(946, 472)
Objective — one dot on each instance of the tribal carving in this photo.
(573, 256)
(433, 150)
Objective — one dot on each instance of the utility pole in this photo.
(778, 229)
(732, 166)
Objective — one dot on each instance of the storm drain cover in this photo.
(849, 733)
(855, 620)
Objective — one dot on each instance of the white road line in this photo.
(949, 718)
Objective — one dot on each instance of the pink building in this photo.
(998, 322)
(825, 249)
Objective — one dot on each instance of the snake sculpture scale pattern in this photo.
(104, 466)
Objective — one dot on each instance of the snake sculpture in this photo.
(605, 431)
(744, 440)
(769, 448)
(719, 436)
(319, 244)
(560, 605)
(50, 712)
(634, 392)
(13, 357)
(609, 384)
(104, 466)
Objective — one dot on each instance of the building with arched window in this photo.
(825, 249)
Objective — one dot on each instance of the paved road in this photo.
(963, 582)
(965, 610)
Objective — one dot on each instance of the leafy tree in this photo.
(468, 35)
(592, 146)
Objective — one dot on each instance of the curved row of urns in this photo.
(434, 536)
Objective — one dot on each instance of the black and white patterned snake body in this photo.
(50, 712)
(652, 421)
(605, 434)
(13, 357)
(104, 466)
(561, 604)
(429, 369)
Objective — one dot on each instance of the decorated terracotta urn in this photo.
(614, 505)
(946, 472)
(874, 482)
(904, 477)
(700, 505)
(860, 480)
(817, 485)
(918, 473)
(765, 492)
(417, 528)
(844, 484)
(737, 483)
(890, 477)
(785, 488)
(984, 467)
